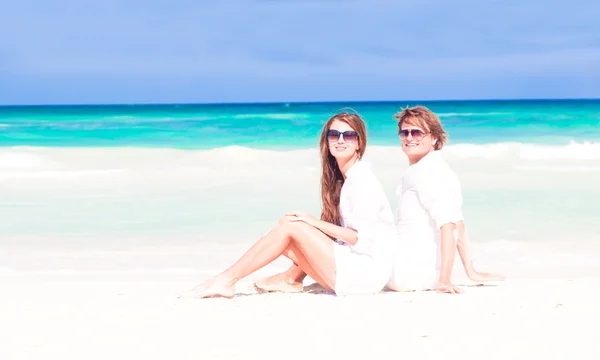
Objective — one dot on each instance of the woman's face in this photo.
(416, 141)
(343, 140)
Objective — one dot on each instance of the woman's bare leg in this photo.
(296, 255)
(287, 281)
(316, 247)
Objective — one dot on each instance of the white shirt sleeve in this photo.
(366, 203)
(441, 196)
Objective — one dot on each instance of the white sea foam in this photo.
(471, 114)
(275, 116)
(19, 159)
(32, 157)
(127, 199)
(571, 151)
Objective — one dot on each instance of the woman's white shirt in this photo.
(365, 208)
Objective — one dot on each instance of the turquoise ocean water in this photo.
(145, 186)
(293, 125)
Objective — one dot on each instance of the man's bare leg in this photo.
(287, 281)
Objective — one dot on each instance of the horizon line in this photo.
(242, 103)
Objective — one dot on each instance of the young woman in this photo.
(349, 249)
(429, 217)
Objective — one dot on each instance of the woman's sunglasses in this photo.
(347, 136)
(416, 134)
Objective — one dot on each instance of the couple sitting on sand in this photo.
(357, 247)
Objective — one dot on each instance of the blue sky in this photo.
(71, 52)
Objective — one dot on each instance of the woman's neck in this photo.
(345, 165)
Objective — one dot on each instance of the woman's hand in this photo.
(302, 216)
(444, 287)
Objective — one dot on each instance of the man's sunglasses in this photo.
(416, 134)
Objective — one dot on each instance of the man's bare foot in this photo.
(215, 287)
(279, 283)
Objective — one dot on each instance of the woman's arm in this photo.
(337, 232)
(347, 235)
(366, 201)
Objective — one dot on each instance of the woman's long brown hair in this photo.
(331, 177)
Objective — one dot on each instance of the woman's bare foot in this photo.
(215, 287)
(279, 283)
(482, 276)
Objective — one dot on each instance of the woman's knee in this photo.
(284, 220)
(289, 223)
(285, 226)
(292, 228)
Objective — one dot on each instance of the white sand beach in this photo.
(95, 251)
(120, 316)
(146, 145)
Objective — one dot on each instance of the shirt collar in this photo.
(430, 157)
(356, 167)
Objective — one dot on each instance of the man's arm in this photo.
(448, 250)
(464, 251)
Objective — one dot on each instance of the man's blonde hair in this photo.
(424, 118)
